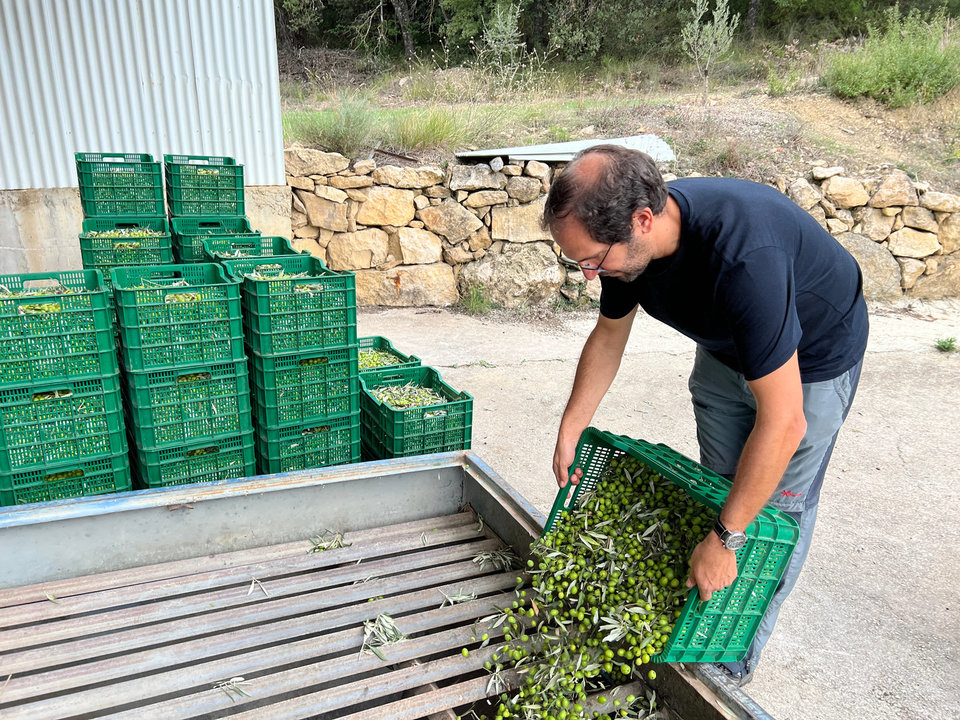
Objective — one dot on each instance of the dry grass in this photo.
(748, 131)
(935, 127)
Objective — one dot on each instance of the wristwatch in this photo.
(731, 539)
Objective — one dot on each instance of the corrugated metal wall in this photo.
(159, 76)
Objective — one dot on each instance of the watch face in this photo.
(735, 541)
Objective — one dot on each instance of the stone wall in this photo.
(424, 235)
(905, 235)
(421, 236)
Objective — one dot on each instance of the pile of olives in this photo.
(609, 582)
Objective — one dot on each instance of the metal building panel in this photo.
(197, 77)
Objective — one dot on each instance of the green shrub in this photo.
(435, 127)
(349, 128)
(780, 83)
(474, 301)
(432, 127)
(912, 60)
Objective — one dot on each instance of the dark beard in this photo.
(628, 275)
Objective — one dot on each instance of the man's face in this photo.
(624, 261)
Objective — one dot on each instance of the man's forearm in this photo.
(598, 366)
(763, 461)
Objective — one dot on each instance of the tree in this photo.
(707, 42)
(753, 13)
(405, 19)
(297, 19)
(374, 28)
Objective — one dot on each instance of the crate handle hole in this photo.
(274, 268)
(165, 275)
(182, 297)
(193, 377)
(316, 430)
(211, 450)
(42, 284)
(306, 362)
(65, 475)
(52, 395)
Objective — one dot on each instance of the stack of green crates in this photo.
(124, 220)
(300, 322)
(378, 353)
(205, 197)
(186, 382)
(61, 425)
(390, 432)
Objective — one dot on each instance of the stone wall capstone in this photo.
(424, 235)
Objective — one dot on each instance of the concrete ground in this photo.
(872, 629)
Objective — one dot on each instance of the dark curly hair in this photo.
(605, 196)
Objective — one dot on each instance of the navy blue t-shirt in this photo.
(754, 279)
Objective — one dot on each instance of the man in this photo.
(775, 306)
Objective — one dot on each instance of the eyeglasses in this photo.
(598, 268)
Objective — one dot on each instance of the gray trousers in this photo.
(725, 410)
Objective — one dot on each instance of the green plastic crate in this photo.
(171, 407)
(334, 441)
(723, 629)
(190, 232)
(113, 184)
(50, 423)
(394, 433)
(68, 480)
(112, 306)
(203, 185)
(107, 252)
(381, 344)
(212, 459)
(218, 249)
(164, 325)
(366, 452)
(305, 386)
(55, 336)
(296, 314)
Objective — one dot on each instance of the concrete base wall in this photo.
(39, 228)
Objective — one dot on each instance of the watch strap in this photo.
(721, 530)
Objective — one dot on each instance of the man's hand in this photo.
(563, 458)
(712, 566)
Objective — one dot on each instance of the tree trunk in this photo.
(753, 12)
(402, 11)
